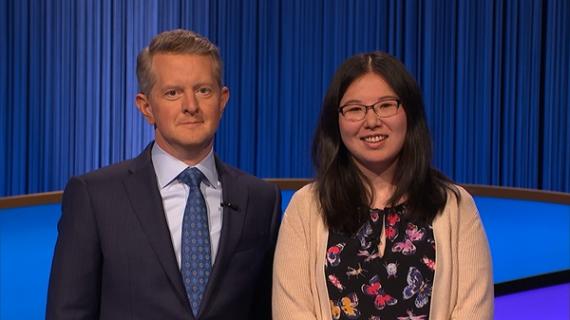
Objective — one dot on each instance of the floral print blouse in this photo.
(363, 284)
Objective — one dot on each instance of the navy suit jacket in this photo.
(114, 257)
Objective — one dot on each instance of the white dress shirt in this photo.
(174, 194)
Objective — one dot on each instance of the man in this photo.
(174, 233)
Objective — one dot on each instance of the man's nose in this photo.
(190, 103)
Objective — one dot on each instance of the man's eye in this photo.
(204, 91)
(171, 93)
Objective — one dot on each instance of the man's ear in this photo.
(224, 97)
(143, 104)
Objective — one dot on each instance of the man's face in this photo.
(185, 104)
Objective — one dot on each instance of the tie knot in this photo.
(192, 177)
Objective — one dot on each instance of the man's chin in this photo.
(186, 146)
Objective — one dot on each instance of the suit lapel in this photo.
(144, 196)
(236, 194)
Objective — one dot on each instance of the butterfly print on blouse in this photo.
(333, 254)
(346, 305)
(418, 287)
(414, 233)
(335, 282)
(363, 234)
(374, 289)
(407, 247)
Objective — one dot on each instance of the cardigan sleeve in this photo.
(292, 295)
(475, 274)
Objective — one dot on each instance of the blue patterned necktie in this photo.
(195, 265)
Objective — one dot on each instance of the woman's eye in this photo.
(353, 109)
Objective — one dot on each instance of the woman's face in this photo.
(374, 142)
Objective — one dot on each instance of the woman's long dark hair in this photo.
(345, 194)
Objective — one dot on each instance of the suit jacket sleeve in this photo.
(74, 285)
(475, 273)
(261, 308)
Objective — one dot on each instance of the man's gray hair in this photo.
(175, 41)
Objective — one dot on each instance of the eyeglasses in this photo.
(384, 108)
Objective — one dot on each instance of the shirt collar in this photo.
(167, 167)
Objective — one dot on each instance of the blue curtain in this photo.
(495, 77)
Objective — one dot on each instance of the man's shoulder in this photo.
(109, 172)
(114, 172)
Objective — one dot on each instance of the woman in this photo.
(380, 234)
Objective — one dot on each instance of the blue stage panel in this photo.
(27, 239)
(527, 238)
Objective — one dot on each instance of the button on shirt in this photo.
(174, 194)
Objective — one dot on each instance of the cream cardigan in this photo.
(462, 287)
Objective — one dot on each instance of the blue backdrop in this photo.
(495, 76)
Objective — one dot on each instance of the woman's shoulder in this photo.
(304, 201)
(307, 193)
(459, 203)
(458, 195)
